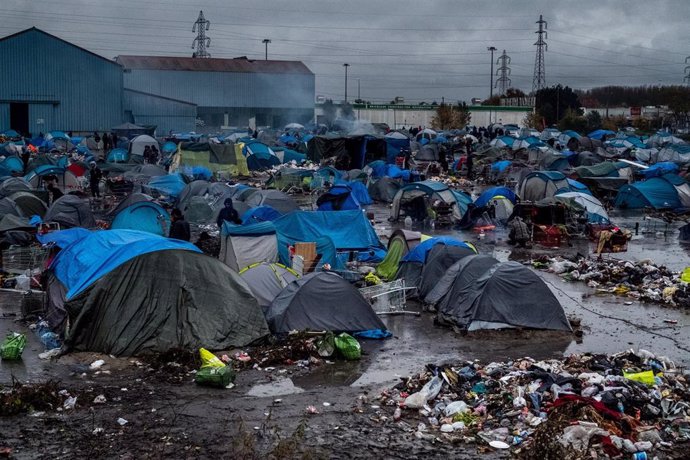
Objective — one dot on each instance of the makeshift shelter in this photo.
(596, 213)
(399, 244)
(139, 143)
(414, 199)
(245, 245)
(338, 198)
(605, 169)
(349, 152)
(130, 293)
(502, 296)
(169, 186)
(66, 180)
(440, 258)
(542, 184)
(267, 280)
(259, 156)
(217, 158)
(281, 202)
(384, 189)
(260, 214)
(145, 216)
(301, 306)
(118, 156)
(667, 192)
(29, 204)
(396, 142)
(71, 211)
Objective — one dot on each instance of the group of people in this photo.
(107, 142)
(151, 154)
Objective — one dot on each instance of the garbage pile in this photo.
(580, 406)
(643, 280)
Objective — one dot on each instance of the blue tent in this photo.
(289, 155)
(421, 251)
(338, 198)
(501, 166)
(170, 185)
(576, 186)
(394, 147)
(118, 156)
(259, 156)
(657, 192)
(145, 216)
(599, 133)
(169, 147)
(260, 214)
(59, 135)
(360, 192)
(45, 170)
(10, 133)
(659, 169)
(12, 164)
(63, 238)
(87, 259)
(349, 230)
(489, 194)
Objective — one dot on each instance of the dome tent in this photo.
(301, 306)
(145, 216)
(267, 280)
(128, 293)
(71, 211)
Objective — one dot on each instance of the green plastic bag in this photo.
(219, 377)
(13, 346)
(348, 346)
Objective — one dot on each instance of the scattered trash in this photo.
(69, 403)
(312, 410)
(499, 445)
(12, 347)
(348, 346)
(213, 371)
(50, 354)
(100, 399)
(96, 364)
(97, 431)
(122, 422)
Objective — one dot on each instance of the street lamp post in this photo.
(346, 65)
(266, 41)
(359, 97)
(491, 85)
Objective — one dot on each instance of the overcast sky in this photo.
(420, 50)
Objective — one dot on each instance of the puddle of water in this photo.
(277, 388)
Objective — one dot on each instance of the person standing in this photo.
(106, 142)
(179, 228)
(228, 213)
(95, 176)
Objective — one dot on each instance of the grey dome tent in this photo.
(471, 267)
(276, 199)
(71, 211)
(506, 295)
(266, 280)
(162, 300)
(29, 204)
(130, 200)
(384, 189)
(8, 206)
(12, 185)
(440, 259)
(321, 301)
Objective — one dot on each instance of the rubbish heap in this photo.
(580, 406)
(642, 280)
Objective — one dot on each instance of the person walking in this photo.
(179, 228)
(95, 176)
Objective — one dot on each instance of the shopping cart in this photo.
(388, 298)
(25, 260)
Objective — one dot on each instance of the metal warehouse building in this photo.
(47, 83)
(226, 92)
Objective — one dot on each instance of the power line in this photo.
(503, 70)
(201, 41)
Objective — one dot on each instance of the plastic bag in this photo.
(208, 359)
(348, 346)
(427, 393)
(578, 436)
(219, 377)
(325, 346)
(13, 346)
(646, 377)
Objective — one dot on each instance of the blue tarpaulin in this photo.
(419, 253)
(501, 166)
(659, 169)
(260, 214)
(63, 238)
(488, 195)
(576, 186)
(87, 259)
(170, 185)
(349, 230)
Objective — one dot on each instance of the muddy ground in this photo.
(265, 416)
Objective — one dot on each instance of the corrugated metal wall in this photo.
(68, 88)
(227, 89)
(165, 114)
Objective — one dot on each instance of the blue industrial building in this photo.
(227, 92)
(49, 84)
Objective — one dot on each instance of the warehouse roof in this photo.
(242, 64)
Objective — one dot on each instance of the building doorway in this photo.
(19, 117)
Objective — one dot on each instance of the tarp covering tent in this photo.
(440, 258)
(266, 281)
(578, 187)
(259, 156)
(145, 216)
(542, 184)
(260, 214)
(71, 211)
(13, 185)
(163, 299)
(503, 296)
(599, 133)
(395, 143)
(429, 190)
(359, 190)
(338, 198)
(139, 143)
(245, 245)
(11, 222)
(659, 169)
(384, 189)
(118, 156)
(281, 202)
(170, 185)
(667, 192)
(349, 152)
(217, 158)
(399, 244)
(29, 204)
(605, 169)
(491, 193)
(595, 210)
(300, 306)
